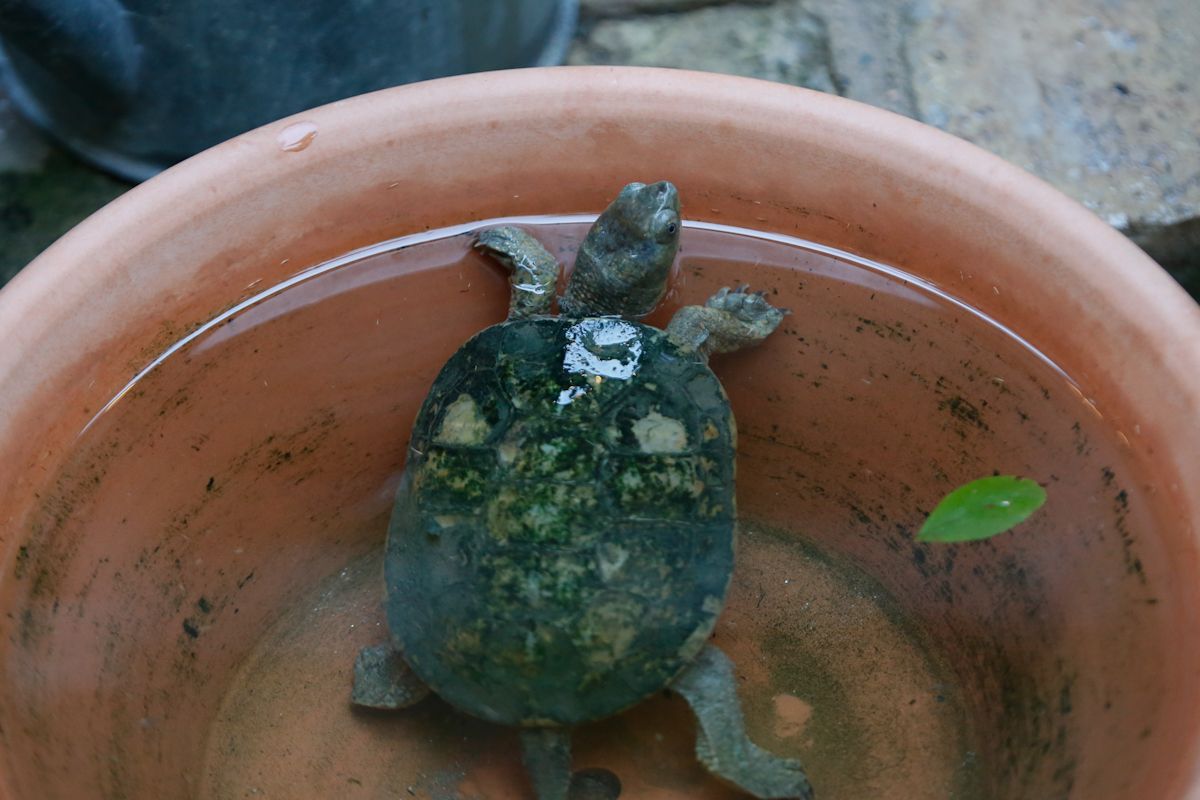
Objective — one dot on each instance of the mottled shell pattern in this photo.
(564, 536)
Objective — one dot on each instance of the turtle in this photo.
(563, 535)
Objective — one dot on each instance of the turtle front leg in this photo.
(383, 680)
(533, 272)
(722, 747)
(729, 320)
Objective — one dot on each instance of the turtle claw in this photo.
(751, 308)
(596, 783)
(729, 320)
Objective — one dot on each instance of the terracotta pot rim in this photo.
(54, 315)
(211, 178)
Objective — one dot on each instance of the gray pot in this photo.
(134, 86)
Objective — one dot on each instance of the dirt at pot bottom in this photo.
(828, 671)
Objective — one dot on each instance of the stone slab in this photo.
(782, 41)
(1099, 97)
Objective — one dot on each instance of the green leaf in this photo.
(982, 508)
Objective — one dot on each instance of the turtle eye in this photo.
(666, 225)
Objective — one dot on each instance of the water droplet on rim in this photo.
(297, 136)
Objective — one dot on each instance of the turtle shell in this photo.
(563, 536)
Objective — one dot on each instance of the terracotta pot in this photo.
(188, 574)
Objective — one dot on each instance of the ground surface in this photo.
(1101, 98)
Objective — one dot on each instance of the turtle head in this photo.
(625, 262)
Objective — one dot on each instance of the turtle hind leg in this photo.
(709, 688)
(383, 680)
(533, 272)
(547, 756)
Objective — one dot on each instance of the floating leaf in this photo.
(982, 508)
